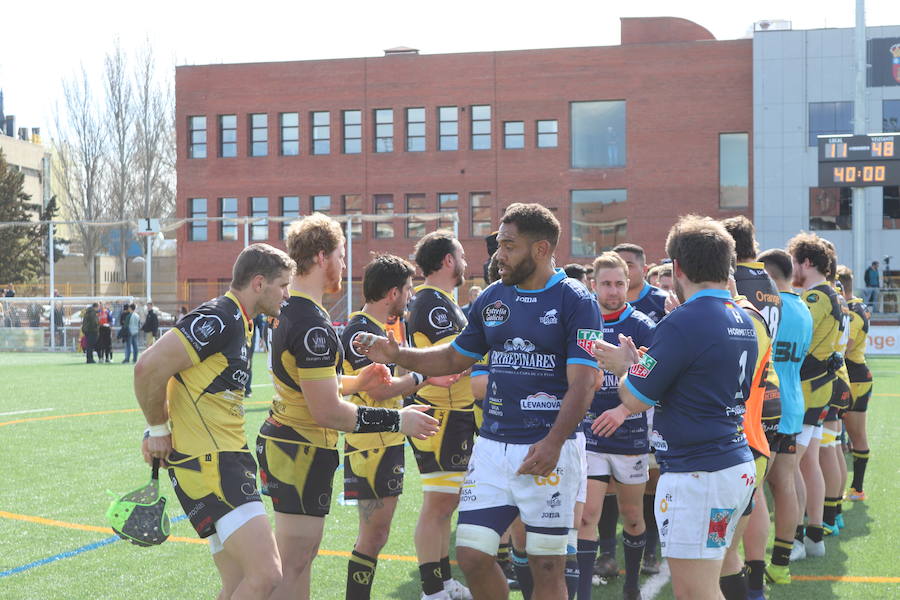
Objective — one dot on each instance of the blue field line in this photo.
(71, 553)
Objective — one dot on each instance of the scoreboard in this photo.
(859, 160)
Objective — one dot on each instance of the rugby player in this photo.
(435, 319)
(810, 259)
(697, 372)
(860, 384)
(665, 278)
(297, 444)
(374, 462)
(193, 378)
(791, 346)
(617, 442)
(538, 327)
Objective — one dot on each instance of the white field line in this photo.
(22, 412)
(654, 585)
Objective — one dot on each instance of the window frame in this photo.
(347, 127)
(285, 225)
(193, 133)
(476, 136)
(422, 123)
(197, 226)
(476, 226)
(318, 130)
(257, 227)
(290, 130)
(223, 224)
(539, 135)
(380, 127)
(449, 136)
(507, 135)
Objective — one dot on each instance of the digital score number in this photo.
(859, 160)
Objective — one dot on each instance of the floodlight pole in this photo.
(149, 270)
(52, 294)
(859, 128)
(349, 265)
(246, 232)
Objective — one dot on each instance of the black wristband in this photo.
(374, 420)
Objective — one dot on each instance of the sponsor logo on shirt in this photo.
(658, 442)
(611, 382)
(526, 299)
(718, 527)
(439, 319)
(494, 314)
(586, 339)
(643, 367)
(353, 346)
(550, 317)
(540, 401)
(316, 341)
(519, 353)
(738, 332)
(204, 328)
(555, 500)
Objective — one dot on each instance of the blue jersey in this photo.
(697, 372)
(652, 302)
(530, 337)
(791, 345)
(632, 437)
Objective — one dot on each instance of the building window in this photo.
(227, 136)
(290, 209)
(197, 135)
(352, 131)
(321, 204)
(415, 203)
(290, 134)
(599, 221)
(228, 207)
(481, 127)
(415, 130)
(259, 207)
(829, 118)
(891, 207)
(384, 205)
(830, 208)
(514, 135)
(447, 203)
(890, 115)
(734, 170)
(259, 135)
(198, 228)
(598, 134)
(384, 130)
(480, 207)
(448, 128)
(353, 205)
(321, 132)
(547, 133)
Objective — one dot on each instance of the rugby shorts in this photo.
(860, 392)
(627, 469)
(442, 459)
(211, 485)
(697, 512)
(581, 495)
(298, 477)
(817, 391)
(784, 443)
(840, 396)
(374, 473)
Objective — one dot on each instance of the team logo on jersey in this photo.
(204, 328)
(439, 318)
(494, 314)
(353, 346)
(812, 298)
(586, 339)
(540, 401)
(643, 367)
(316, 341)
(518, 345)
(718, 526)
(550, 317)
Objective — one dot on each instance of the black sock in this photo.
(814, 532)
(651, 532)
(734, 587)
(360, 574)
(634, 550)
(755, 574)
(609, 518)
(840, 506)
(781, 552)
(801, 531)
(830, 510)
(523, 573)
(573, 573)
(503, 553)
(432, 580)
(860, 460)
(446, 573)
(587, 552)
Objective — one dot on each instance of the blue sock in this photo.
(587, 553)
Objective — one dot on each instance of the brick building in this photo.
(617, 140)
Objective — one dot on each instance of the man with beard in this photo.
(193, 378)
(618, 443)
(697, 372)
(374, 462)
(526, 460)
(435, 319)
(297, 444)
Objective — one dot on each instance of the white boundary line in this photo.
(655, 583)
(22, 412)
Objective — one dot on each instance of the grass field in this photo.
(70, 431)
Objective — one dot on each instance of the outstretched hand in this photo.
(372, 376)
(415, 422)
(616, 359)
(377, 348)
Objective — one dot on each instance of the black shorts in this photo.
(860, 392)
(832, 415)
(770, 428)
(784, 443)
(375, 473)
(815, 416)
(199, 480)
(450, 449)
(840, 395)
(298, 477)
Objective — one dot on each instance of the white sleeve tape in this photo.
(159, 430)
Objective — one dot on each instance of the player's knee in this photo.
(440, 505)
(632, 518)
(473, 561)
(264, 578)
(373, 539)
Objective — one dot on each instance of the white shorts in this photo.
(544, 502)
(809, 433)
(627, 469)
(581, 496)
(698, 512)
(231, 522)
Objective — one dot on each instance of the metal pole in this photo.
(349, 265)
(150, 267)
(52, 288)
(246, 232)
(456, 235)
(859, 128)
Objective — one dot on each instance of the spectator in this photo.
(34, 315)
(90, 327)
(181, 313)
(151, 325)
(10, 291)
(131, 325)
(104, 343)
(474, 292)
(872, 284)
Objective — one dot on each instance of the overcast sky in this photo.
(43, 42)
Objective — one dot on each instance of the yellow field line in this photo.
(95, 413)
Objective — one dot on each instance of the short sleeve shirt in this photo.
(652, 302)
(790, 348)
(828, 317)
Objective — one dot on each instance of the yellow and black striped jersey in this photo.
(825, 308)
(305, 347)
(353, 361)
(206, 400)
(435, 319)
(859, 337)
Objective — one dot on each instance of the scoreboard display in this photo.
(859, 160)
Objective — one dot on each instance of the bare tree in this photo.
(80, 142)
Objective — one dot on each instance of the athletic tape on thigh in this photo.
(481, 538)
(543, 544)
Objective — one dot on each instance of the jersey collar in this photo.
(369, 317)
(558, 275)
(644, 291)
(713, 293)
(620, 316)
(425, 286)
(296, 294)
(752, 265)
(248, 322)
